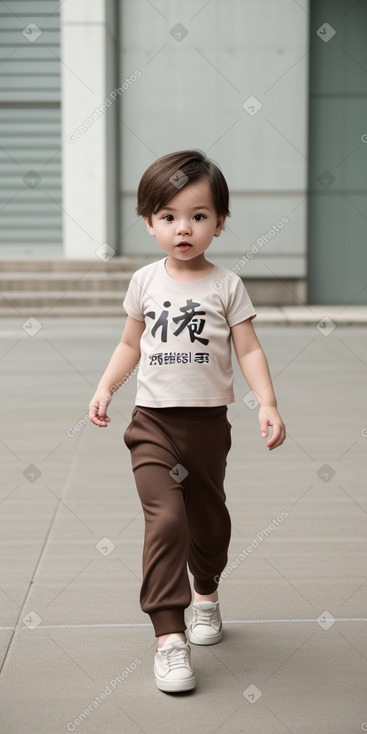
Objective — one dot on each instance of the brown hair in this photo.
(170, 173)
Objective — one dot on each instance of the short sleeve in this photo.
(239, 306)
(132, 301)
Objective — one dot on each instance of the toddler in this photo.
(183, 314)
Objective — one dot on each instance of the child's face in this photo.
(188, 217)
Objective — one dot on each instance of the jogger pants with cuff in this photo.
(179, 458)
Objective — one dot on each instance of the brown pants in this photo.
(179, 458)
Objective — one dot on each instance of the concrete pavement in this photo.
(293, 597)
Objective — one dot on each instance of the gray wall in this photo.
(338, 154)
(30, 139)
(191, 94)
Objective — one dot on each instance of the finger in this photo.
(276, 434)
(98, 410)
(97, 421)
(278, 442)
(93, 410)
(100, 423)
(98, 418)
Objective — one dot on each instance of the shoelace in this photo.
(204, 616)
(176, 657)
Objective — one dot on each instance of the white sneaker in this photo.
(172, 667)
(206, 625)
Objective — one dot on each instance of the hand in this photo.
(269, 416)
(98, 408)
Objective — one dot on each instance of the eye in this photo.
(168, 217)
(202, 216)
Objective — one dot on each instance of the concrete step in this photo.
(58, 286)
(64, 281)
(118, 264)
(45, 298)
(57, 311)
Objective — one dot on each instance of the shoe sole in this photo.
(175, 686)
(204, 640)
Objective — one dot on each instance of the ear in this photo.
(149, 224)
(220, 225)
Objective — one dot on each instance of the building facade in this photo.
(274, 92)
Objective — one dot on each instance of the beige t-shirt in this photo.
(186, 346)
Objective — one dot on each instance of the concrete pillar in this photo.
(89, 107)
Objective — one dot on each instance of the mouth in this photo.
(184, 246)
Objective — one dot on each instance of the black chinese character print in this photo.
(162, 321)
(188, 319)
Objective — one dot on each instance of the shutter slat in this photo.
(30, 136)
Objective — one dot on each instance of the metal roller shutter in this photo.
(30, 134)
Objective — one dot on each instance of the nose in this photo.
(183, 227)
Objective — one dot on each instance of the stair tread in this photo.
(65, 311)
(58, 294)
(122, 264)
(55, 274)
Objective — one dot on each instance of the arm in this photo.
(255, 369)
(122, 362)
